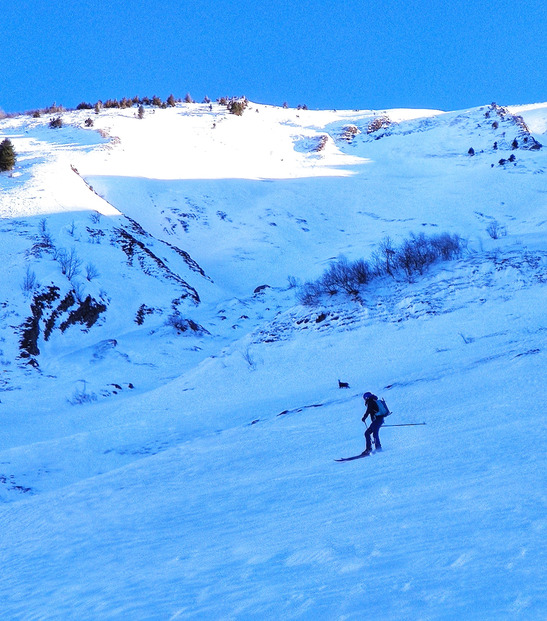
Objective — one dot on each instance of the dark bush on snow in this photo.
(345, 276)
(412, 257)
(416, 254)
(181, 324)
(237, 106)
(379, 122)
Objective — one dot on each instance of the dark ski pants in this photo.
(372, 430)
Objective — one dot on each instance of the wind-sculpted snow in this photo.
(169, 428)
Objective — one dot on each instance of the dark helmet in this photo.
(367, 395)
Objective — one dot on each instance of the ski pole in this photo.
(403, 425)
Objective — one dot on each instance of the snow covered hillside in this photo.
(170, 412)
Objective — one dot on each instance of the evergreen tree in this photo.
(237, 106)
(7, 155)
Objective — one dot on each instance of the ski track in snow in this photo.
(172, 458)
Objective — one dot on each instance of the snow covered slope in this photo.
(170, 413)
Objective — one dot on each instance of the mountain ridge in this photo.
(144, 467)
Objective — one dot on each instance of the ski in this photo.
(363, 454)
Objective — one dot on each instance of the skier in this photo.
(377, 421)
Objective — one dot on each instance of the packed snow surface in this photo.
(170, 413)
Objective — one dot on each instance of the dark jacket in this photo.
(372, 409)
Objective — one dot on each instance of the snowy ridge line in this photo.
(492, 122)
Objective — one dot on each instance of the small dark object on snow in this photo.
(342, 384)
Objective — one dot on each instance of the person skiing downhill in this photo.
(377, 421)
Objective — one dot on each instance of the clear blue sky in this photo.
(447, 54)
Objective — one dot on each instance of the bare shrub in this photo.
(310, 293)
(448, 246)
(79, 291)
(345, 276)
(29, 281)
(181, 324)
(412, 257)
(80, 396)
(338, 278)
(69, 261)
(91, 271)
(496, 230)
(419, 252)
(292, 282)
(405, 259)
(44, 242)
(423, 252)
(385, 258)
(361, 272)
